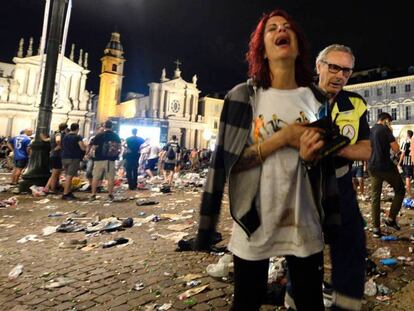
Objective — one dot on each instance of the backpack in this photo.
(111, 149)
(171, 153)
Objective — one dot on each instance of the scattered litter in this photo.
(30, 237)
(191, 292)
(59, 282)
(165, 306)
(370, 287)
(15, 272)
(44, 201)
(221, 269)
(193, 283)
(389, 262)
(49, 230)
(142, 202)
(190, 277)
(389, 238)
(383, 298)
(12, 201)
(37, 191)
(116, 241)
(57, 214)
(70, 226)
(138, 286)
(382, 252)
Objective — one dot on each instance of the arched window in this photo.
(114, 67)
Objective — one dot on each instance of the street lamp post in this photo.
(38, 168)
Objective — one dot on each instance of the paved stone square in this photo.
(104, 278)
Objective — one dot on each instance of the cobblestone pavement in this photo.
(104, 278)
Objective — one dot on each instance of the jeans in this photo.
(394, 179)
(131, 169)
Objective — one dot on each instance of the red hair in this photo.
(259, 66)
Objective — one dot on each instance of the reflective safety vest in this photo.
(347, 110)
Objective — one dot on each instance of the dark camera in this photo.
(334, 141)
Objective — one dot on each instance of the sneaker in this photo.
(392, 224)
(110, 197)
(69, 197)
(376, 233)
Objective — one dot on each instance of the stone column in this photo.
(9, 127)
(82, 90)
(161, 103)
(187, 110)
(74, 90)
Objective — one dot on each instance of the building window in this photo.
(379, 111)
(366, 93)
(407, 112)
(114, 67)
(215, 125)
(408, 88)
(368, 116)
(393, 90)
(379, 92)
(1, 72)
(394, 113)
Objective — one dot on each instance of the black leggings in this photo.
(306, 276)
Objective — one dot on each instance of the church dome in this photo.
(114, 46)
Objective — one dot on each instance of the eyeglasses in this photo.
(332, 68)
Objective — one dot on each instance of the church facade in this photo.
(172, 105)
(20, 92)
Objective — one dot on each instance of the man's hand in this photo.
(310, 144)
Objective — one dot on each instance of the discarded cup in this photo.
(389, 262)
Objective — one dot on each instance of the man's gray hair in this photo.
(334, 47)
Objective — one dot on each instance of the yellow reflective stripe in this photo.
(346, 302)
(348, 121)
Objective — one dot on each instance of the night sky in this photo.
(210, 37)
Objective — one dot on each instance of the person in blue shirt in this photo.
(20, 146)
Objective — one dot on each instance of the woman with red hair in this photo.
(273, 203)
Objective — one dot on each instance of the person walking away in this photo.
(381, 168)
(131, 156)
(107, 148)
(90, 157)
(56, 166)
(151, 165)
(272, 199)
(21, 150)
(73, 149)
(406, 162)
(171, 158)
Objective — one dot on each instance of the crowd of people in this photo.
(105, 156)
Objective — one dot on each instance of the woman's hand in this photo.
(292, 134)
(310, 144)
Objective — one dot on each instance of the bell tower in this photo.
(111, 79)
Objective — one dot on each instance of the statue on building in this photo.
(195, 80)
